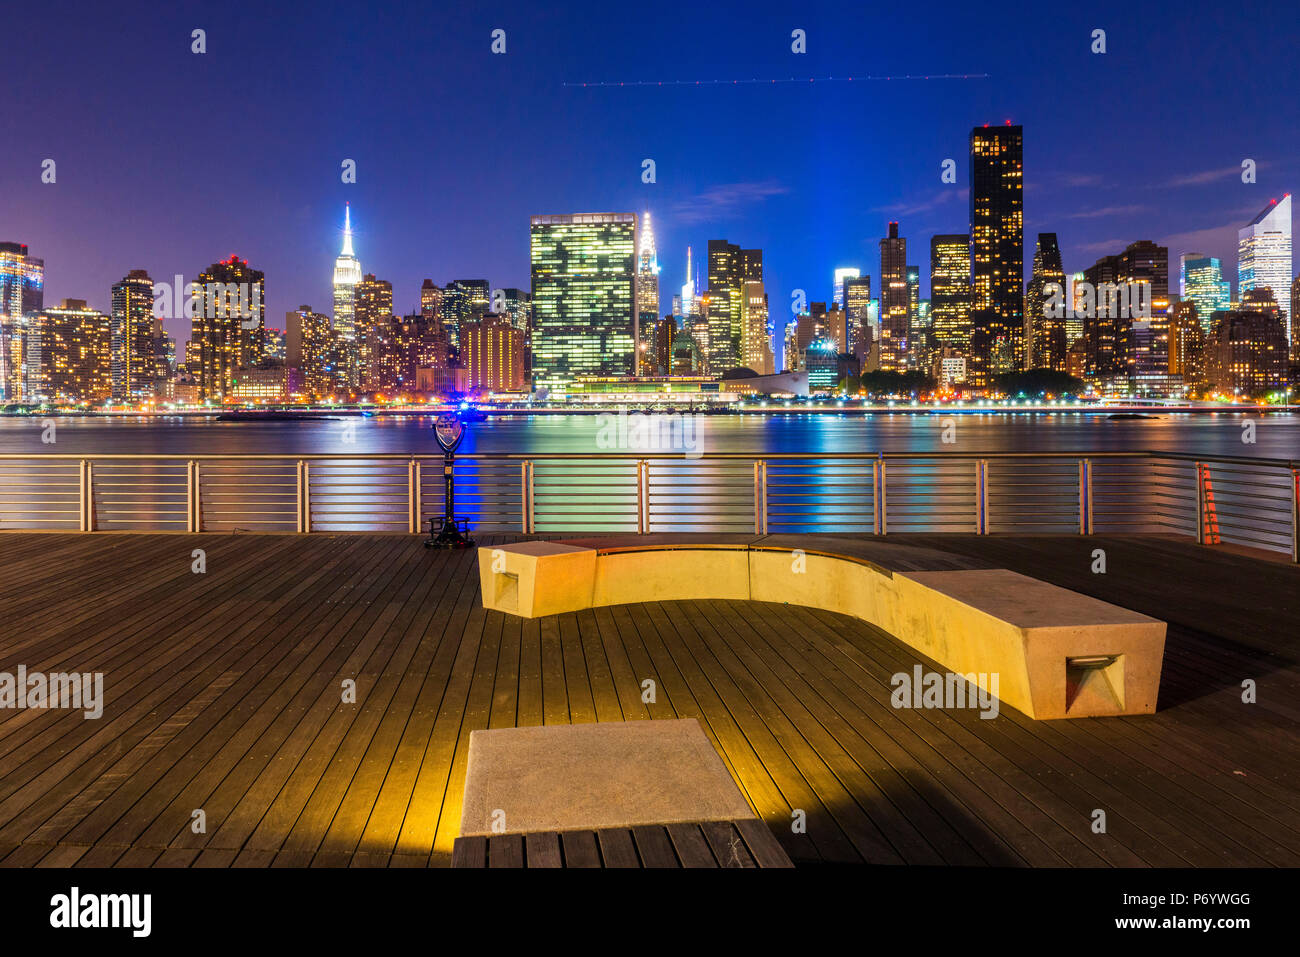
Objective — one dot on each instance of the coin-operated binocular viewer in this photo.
(448, 429)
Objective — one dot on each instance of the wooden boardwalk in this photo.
(224, 695)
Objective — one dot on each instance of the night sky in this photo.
(169, 161)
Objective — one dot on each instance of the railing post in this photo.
(883, 501)
(1295, 515)
(304, 497)
(419, 495)
(191, 496)
(760, 497)
(981, 497)
(526, 496)
(412, 498)
(85, 497)
(642, 496)
(1200, 504)
(1085, 496)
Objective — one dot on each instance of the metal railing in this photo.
(1247, 501)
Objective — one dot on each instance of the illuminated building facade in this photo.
(1201, 281)
(463, 300)
(373, 305)
(726, 275)
(895, 302)
(430, 299)
(997, 248)
(1264, 253)
(837, 289)
(22, 290)
(755, 342)
(492, 354)
(950, 294)
(647, 281)
(347, 273)
(1045, 334)
(307, 347)
(584, 296)
(1246, 354)
(230, 319)
(66, 354)
(133, 362)
(857, 309)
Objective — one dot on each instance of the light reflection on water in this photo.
(688, 494)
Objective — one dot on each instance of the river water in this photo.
(1225, 433)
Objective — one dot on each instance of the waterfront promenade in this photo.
(224, 696)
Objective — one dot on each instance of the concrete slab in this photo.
(566, 777)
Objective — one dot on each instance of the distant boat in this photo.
(1131, 415)
(266, 415)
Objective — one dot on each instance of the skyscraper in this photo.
(132, 360)
(837, 292)
(1045, 336)
(950, 295)
(647, 274)
(895, 302)
(373, 305)
(756, 344)
(347, 273)
(726, 275)
(997, 250)
(229, 323)
(1264, 253)
(492, 353)
(584, 296)
(1201, 281)
(66, 354)
(463, 300)
(22, 290)
(430, 299)
(857, 306)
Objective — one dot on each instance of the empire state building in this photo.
(347, 273)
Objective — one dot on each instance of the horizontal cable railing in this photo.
(1224, 499)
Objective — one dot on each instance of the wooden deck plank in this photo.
(233, 707)
(543, 850)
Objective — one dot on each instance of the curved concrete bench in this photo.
(1044, 650)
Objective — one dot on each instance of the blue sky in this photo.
(169, 161)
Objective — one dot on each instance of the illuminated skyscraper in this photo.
(1201, 281)
(756, 343)
(1264, 253)
(22, 290)
(857, 306)
(492, 354)
(229, 323)
(726, 275)
(584, 296)
(997, 250)
(895, 302)
(463, 300)
(373, 305)
(430, 299)
(66, 354)
(950, 303)
(133, 364)
(1045, 336)
(647, 274)
(837, 292)
(347, 273)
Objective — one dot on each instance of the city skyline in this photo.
(812, 206)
